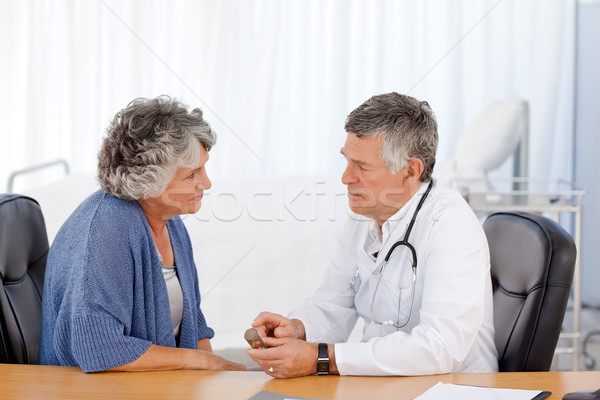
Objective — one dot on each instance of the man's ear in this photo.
(415, 169)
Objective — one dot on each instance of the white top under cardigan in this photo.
(175, 295)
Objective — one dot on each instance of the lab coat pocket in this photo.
(362, 283)
(392, 298)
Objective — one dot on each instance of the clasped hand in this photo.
(287, 354)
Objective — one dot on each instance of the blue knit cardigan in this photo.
(105, 299)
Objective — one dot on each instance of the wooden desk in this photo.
(43, 382)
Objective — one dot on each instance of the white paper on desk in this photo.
(464, 392)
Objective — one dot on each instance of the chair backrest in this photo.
(532, 262)
(23, 252)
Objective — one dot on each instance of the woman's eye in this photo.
(190, 176)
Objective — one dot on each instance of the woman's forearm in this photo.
(161, 358)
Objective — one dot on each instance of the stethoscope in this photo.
(403, 242)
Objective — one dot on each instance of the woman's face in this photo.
(185, 191)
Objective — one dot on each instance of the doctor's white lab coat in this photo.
(451, 324)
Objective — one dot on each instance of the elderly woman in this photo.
(121, 288)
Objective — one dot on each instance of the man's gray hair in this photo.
(145, 144)
(407, 127)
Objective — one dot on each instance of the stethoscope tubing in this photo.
(403, 242)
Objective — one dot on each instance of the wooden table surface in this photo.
(45, 382)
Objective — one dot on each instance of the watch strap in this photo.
(323, 360)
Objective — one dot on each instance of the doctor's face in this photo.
(372, 190)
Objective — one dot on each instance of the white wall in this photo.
(276, 79)
(587, 144)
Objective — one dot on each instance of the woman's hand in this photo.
(219, 363)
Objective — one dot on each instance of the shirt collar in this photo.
(381, 234)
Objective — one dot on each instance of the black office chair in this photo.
(23, 252)
(532, 260)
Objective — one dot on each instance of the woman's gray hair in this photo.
(145, 144)
(407, 127)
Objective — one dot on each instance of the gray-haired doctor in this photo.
(413, 263)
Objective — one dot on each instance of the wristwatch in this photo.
(323, 360)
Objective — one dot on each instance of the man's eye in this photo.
(190, 176)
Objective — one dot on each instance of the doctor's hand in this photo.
(274, 325)
(286, 357)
